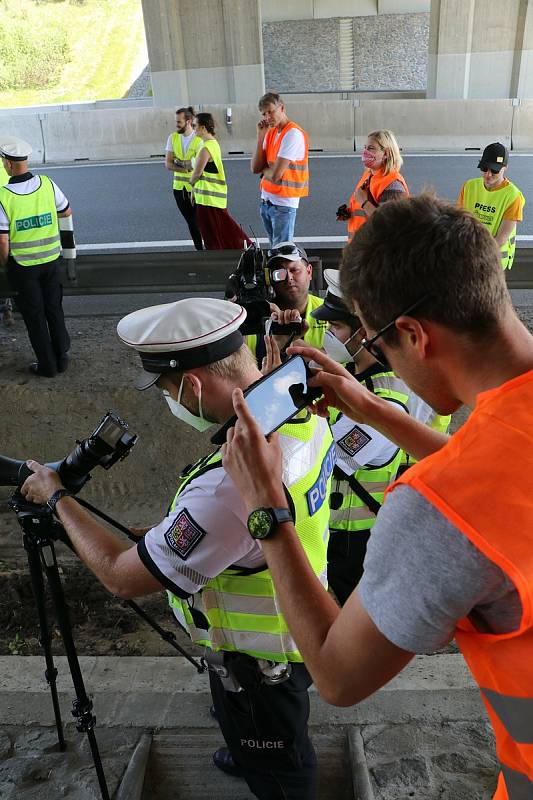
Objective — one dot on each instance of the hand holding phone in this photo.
(276, 398)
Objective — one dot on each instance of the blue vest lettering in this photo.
(317, 493)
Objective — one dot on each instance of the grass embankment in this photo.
(106, 48)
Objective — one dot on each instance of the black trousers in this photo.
(188, 211)
(346, 555)
(265, 728)
(40, 301)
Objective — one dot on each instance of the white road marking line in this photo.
(189, 243)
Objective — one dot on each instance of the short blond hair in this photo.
(234, 367)
(387, 141)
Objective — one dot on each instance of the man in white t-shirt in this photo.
(182, 146)
(281, 157)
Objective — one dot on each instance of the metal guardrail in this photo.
(132, 273)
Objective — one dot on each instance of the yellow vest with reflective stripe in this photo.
(437, 422)
(354, 514)
(489, 208)
(315, 333)
(181, 179)
(33, 225)
(241, 608)
(212, 189)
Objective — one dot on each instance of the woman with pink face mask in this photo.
(381, 181)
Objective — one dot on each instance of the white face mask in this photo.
(336, 349)
(179, 411)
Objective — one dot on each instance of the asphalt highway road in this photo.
(123, 204)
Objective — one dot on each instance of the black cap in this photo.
(334, 309)
(495, 156)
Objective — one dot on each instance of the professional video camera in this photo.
(251, 286)
(107, 444)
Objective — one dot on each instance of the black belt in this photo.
(267, 202)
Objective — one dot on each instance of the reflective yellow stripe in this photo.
(205, 193)
(34, 243)
(298, 167)
(357, 213)
(240, 603)
(30, 258)
(350, 513)
(213, 180)
(253, 640)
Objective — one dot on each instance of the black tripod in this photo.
(40, 530)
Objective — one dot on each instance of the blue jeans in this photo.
(279, 222)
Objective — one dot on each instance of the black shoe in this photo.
(223, 759)
(62, 363)
(35, 369)
(213, 712)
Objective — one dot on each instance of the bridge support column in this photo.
(204, 51)
(480, 49)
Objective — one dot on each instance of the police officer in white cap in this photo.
(207, 552)
(35, 220)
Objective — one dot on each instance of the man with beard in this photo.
(182, 146)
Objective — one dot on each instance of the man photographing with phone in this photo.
(206, 552)
(451, 553)
(290, 276)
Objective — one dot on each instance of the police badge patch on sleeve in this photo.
(184, 534)
(354, 441)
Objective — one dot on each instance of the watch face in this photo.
(260, 523)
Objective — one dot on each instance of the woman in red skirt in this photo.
(210, 193)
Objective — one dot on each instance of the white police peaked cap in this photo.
(182, 335)
(334, 307)
(332, 278)
(14, 149)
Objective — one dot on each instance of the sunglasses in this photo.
(285, 250)
(485, 168)
(369, 344)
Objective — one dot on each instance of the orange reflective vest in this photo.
(481, 481)
(378, 184)
(294, 181)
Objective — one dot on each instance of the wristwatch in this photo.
(53, 499)
(262, 522)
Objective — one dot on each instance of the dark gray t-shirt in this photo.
(422, 575)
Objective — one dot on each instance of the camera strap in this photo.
(358, 489)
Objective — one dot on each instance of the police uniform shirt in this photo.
(207, 532)
(27, 184)
(360, 445)
(202, 536)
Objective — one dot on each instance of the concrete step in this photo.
(180, 767)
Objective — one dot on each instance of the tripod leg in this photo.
(82, 706)
(37, 584)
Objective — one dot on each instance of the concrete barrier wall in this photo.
(28, 127)
(106, 134)
(333, 126)
(437, 124)
(523, 126)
